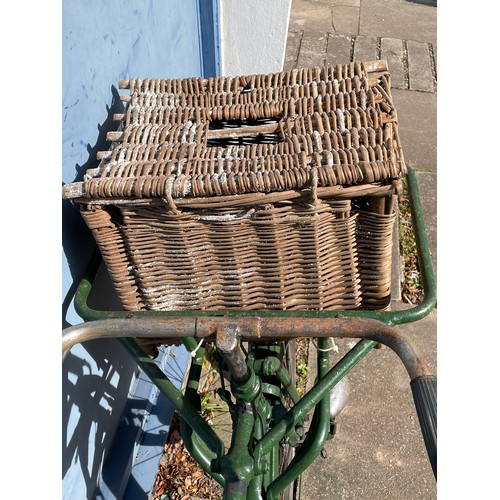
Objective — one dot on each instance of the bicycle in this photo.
(269, 447)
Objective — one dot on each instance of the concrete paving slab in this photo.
(315, 16)
(342, 18)
(345, 20)
(338, 49)
(420, 66)
(417, 118)
(332, 3)
(402, 20)
(365, 48)
(391, 49)
(312, 49)
(292, 50)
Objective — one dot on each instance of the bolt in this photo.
(262, 466)
(267, 367)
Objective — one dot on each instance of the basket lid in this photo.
(300, 129)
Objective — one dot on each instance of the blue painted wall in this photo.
(103, 42)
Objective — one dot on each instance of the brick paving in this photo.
(412, 64)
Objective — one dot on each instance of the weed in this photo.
(412, 289)
(302, 368)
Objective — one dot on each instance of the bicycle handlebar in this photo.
(424, 391)
(423, 382)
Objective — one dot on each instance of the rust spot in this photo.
(423, 368)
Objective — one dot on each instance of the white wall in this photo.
(253, 36)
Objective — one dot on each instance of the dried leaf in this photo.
(181, 477)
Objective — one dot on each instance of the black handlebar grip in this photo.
(424, 391)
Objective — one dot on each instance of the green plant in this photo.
(302, 368)
(209, 407)
(411, 288)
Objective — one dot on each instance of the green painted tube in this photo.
(175, 396)
(199, 451)
(237, 467)
(313, 397)
(254, 490)
(424, 257)
(284, 378)
(275, 366)
(194, 445)
(316, 436)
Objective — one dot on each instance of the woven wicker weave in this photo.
(266, 191)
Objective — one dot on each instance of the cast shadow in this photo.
(77, 240)
(90, 398)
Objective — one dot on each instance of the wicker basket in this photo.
(254, 192)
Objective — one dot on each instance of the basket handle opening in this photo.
(246, 131)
